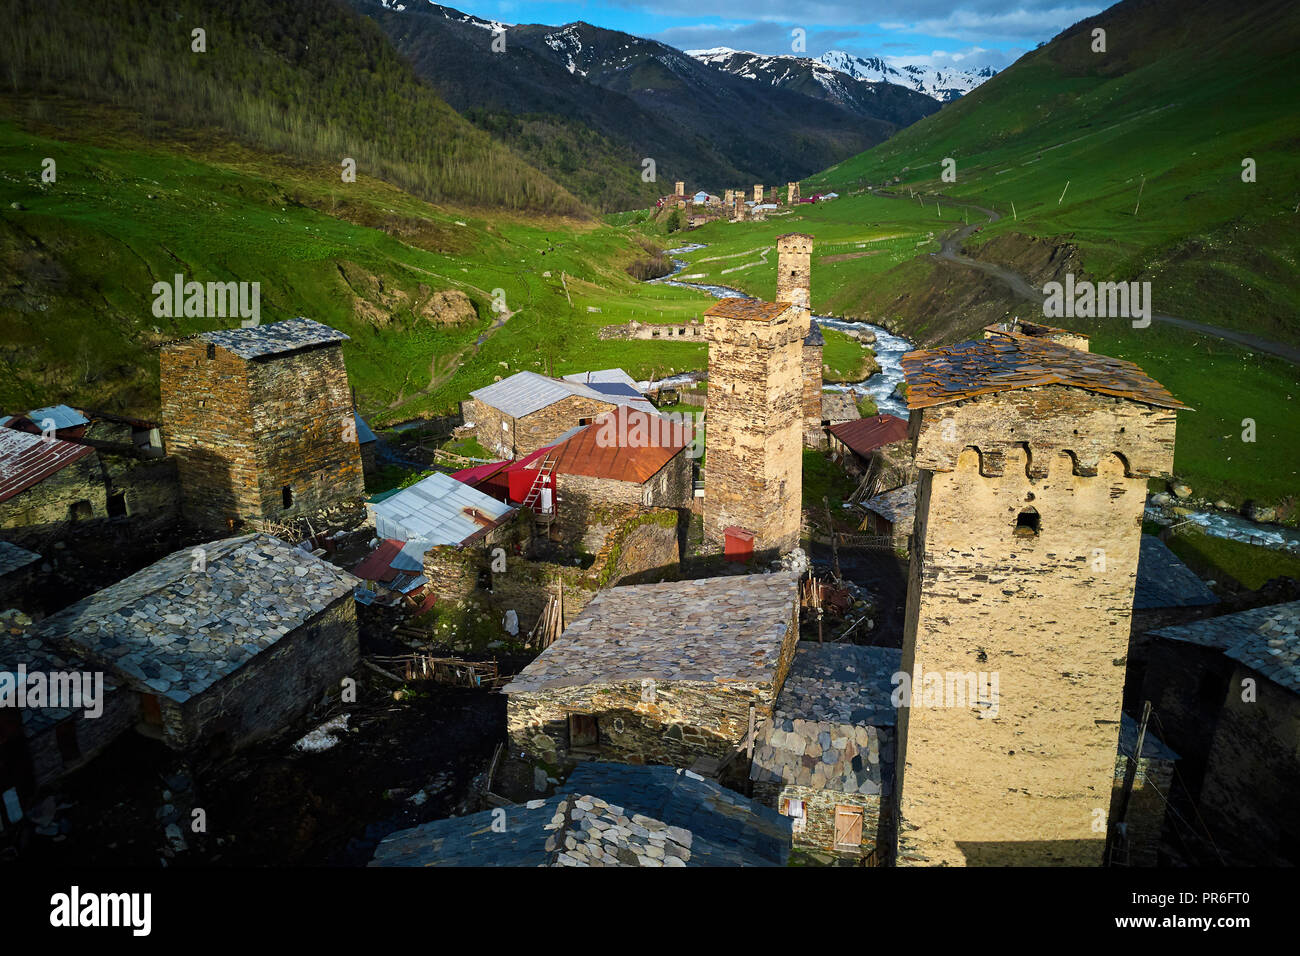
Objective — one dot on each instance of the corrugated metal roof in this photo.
(1004, 362)
(604, 376)
(526, 392)
(263, 340)
(26, 459)
(61, 417)
(625, 445)
(867, 434)
(437, 510)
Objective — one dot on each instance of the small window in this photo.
(286, 497)
(848, 826)
(582, 731)
(117, 505)
(1027, 524)
(81, 511)
(584, 421)
(212, 351)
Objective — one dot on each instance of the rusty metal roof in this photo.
(26, 459)
(624, 445)
(867, 434)
(752, 310)
(1003, 362)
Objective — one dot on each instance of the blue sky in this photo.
(964, 33)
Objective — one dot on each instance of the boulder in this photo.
(449, 307)
(1181, 489)
(1259, 513)
(1160, 500)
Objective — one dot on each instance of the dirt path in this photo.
(950, 250)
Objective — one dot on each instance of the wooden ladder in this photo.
(543, 473)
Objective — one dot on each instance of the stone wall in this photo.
(509, 437)
(92, 735)
(1146, 807)
(814, 434)
(48, 504)
(273, 688)
(584, 501)
(794, 271)
(692, 332)
(753, 476)
(818, 832)
(242, 431)
(1047, 610)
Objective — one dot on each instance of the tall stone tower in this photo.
(794, 285)
(758, 192)
(753, 474)
(1034, 459)
(791, 193)
(679, 188)
(260, 423)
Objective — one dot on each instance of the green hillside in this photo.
(1184, 93)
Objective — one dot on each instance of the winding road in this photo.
(950, 250)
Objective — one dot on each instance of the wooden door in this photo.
(582, 730)
(848, 826)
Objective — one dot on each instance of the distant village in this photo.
(686, 667)
(736, 205)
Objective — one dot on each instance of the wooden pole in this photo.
(1067, 186)
(1013, 212)
(1139, 199)
(1130, 771)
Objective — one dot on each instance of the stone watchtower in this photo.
(794, 285)
(758, 192)
(791, 193)
(753, 476)
(1034, 460)
(260, 422)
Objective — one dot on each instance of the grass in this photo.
(1219, 559)
(824, 479)
(845, 358)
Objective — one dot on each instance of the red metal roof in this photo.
(624, 445)
(473, 476)
(378, 564)
(867, 434)
(27, 459)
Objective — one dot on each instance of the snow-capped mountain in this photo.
(835, 70)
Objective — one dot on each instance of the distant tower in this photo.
(794, 285)
(679, 188)
(758, 192)
(260, 423)
(792, 193)
(739, 209)
(753, 475)
(1034, 460)
(728, 198)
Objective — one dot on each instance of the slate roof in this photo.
(751, 310)
(27, 459)
(12, 558)
(609, 815)
(1003, 362)
(29, 650)
(840, 407)
(1266, 639)
(526, 392)
(865, 435)
(725, 630)
(1164, 581)
(814, 336)
(897, 506)
(438, 510)
(623, 445)
(364, 433)
(818, 736)
(1032, 329)
(176, 630)
(62, 416)
(1153, 748)
(278, 338)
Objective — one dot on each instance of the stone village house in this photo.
(678, 673)
(219, 644)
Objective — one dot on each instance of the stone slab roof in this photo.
(27, 459)
(1031, 329)
(725, 630)
(1266, 639)
(14, 558)
(1003, 362)
(177, 630)
(751, 310)
(1164, 581)
(609, 815)
(819, 735)
(35, 655)
(262, 341)
(814, 338)
(897, 506)
(840, 407)
(1153, 748)
(526, 392)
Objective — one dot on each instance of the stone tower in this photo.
(260, 423)
(1034, 460)
(758, 192)
(679, 188)
(753, 474)
(794, 285)
(791, 193)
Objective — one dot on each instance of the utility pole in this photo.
(1130, 774)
